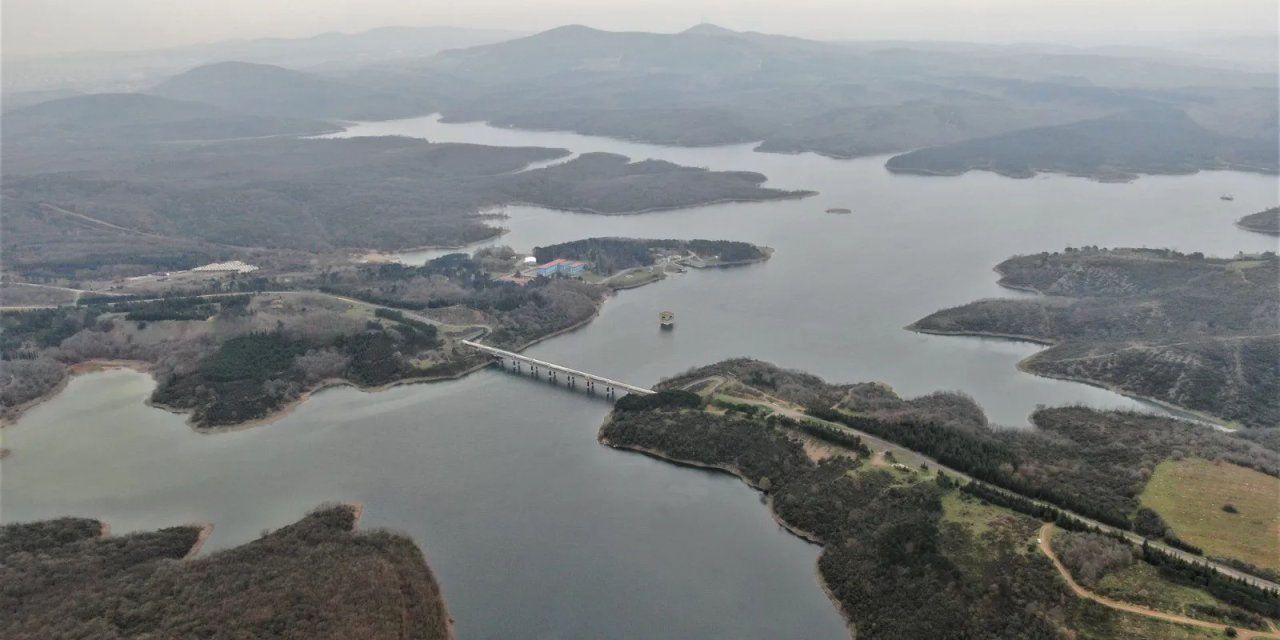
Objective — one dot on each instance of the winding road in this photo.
(1046, 536)
(915, 458)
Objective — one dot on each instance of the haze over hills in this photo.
(130, 70)
(71, 133)
(981, 106)
(203, 228)
(709, 85)
(271, 90)
(798, 95)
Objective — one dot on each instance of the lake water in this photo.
(536, 531)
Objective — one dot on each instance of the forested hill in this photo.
(1196, 332)
(710, 85)
(316, 578)
(906, 552)
(319, 194)
(1094, 463)
(1110, 148)
(270, 90)
(112, 118)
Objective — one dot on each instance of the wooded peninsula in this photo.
(1195, 332)
(909, 550)
(316, 578)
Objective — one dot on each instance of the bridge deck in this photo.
(551, 366)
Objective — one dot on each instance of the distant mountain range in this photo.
(264, 89)
(1015, 110)
(116, 118)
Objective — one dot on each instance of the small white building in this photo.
(529, 261)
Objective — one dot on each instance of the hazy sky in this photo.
(34, 27)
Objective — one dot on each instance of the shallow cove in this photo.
(533, 529)
(536, 531)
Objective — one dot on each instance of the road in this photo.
(1046, 536)
(907, 456)
(901, 453)
(296, 292)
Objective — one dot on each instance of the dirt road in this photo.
(1046, 535)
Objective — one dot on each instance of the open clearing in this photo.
(1189, 495)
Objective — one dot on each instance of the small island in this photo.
(316, 578)
(919, 506)
(1198, 333)
(1266, 221)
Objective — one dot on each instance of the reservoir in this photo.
(536, 531)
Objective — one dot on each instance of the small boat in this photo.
(1226, 196)
(667, 320)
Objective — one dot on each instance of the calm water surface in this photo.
(533, 529)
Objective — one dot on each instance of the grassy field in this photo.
(1190, 495)
(1142, 584)
(1128, 625)
(972, 514)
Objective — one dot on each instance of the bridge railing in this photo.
(551, 366)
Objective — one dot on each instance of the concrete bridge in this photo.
(556, 373)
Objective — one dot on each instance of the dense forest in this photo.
(171, 206)
(1114, 147)
(254, 374)
(611, 255)
(1092, 462)
(316, 578)
(1095, 463)
(1200, 333)
(894, 560)
(883, 558)
(1265, 221)
(227, 359)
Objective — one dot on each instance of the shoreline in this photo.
(1120, 177)
(1023, 366)
(357, 511)
(324, 385)
(767, 251)
(140, 366)
(797, 194)
(768, 500)
(80, 368)
(1265, 232)
(98, 365)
